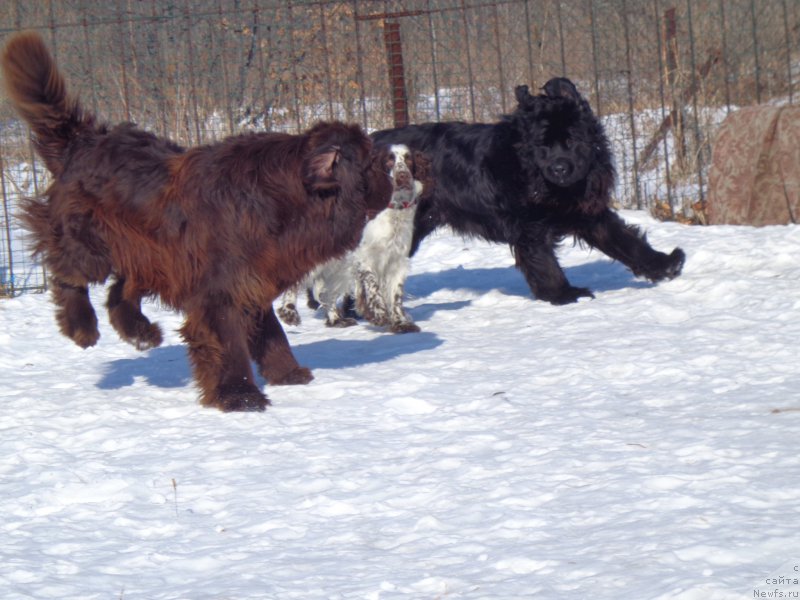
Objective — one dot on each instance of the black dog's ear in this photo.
(523, 95)
(561, 87)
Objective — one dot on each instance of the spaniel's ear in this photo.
(423, 175)
(422, 166)
(320, 169)
(379, 183)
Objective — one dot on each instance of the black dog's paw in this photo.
(668, 268)
(311, 302)
(677, 259)
(568, 295)
(349, 308)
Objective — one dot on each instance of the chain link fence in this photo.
(661, 74)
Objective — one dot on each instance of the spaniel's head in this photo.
(409, 171)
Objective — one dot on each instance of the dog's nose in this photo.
(561, 168)
(403, 178)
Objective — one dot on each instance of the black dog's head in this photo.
(562, 140)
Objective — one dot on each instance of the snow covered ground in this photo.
(641, 445)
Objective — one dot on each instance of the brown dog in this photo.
(217, 231)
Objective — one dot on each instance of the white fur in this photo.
(376, 270)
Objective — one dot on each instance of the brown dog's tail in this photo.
(39, 93)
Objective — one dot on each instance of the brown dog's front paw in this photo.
(240, 400)
(297, 376)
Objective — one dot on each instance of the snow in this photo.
(642, 445)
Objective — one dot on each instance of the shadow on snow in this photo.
(168, 367)
(600, 276)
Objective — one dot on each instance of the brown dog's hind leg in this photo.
(75, 314)
(125, 313)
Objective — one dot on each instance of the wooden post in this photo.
(671, 75)
(397, 79)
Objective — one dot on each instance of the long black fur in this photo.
(540, 174)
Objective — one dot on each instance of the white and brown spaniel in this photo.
(375, 272)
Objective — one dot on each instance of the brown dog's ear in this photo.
(320, 169)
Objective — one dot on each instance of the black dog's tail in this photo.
(39, 93)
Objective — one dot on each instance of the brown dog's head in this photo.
(342, 161)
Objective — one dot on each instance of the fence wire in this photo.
(661, 74)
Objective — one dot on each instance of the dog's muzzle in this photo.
(405, 194)
(403, 180)
(560, 171)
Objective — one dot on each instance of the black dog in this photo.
(540, 174)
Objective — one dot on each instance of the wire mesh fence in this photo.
(661, 74)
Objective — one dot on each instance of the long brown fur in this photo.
(216, 231)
